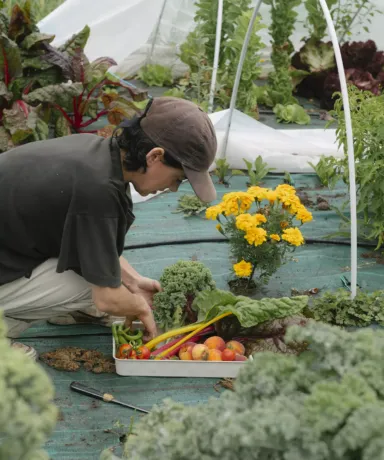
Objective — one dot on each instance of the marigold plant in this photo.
(262, 226)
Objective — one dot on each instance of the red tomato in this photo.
(125, 351)
(228, 355)
(143, 352)
(133, 355)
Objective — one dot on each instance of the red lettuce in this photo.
(376, 66)
(358, 54)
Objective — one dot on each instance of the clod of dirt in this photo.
(379, 256)
(323, 206)
(321, 199)
(304, 198)
(70, 359)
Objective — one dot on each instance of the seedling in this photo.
(223, 170)
(257, 170)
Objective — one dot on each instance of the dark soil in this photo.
(240, 287)
(71, 359)
(379, 256)
(304, 198)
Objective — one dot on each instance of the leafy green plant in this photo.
(367, 112)
(324, 404)
(288, 179)
(223, 170)
(77, 103)
(190, 205)
(328, 170)
(257, 170)
(292, 113)
(198, 51)
(156, 75)
(28, 415)
(338, 308)
(40, 8)
(316, 23)
(181, 282)
(282, 26)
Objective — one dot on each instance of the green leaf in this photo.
(102, 64)
(237, 172)
(81, 69)
(5, 141)
(20, 121)
(36, 38)
(292, 113)
(76, 41)
(37, 63)
(318, 56)
(249, 312)
(21, 23)
(10, 60)
(41, 130)
(62, 127)
(5, 94)
(156, 75)
(59, 59)
(61, 95)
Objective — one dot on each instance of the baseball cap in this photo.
(185, 131)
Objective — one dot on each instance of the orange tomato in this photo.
(228, 355)
(125, 351)
(143, 352)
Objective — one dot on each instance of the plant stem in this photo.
(89, 122)
(64, 113)
(6, 68)
(251, 275)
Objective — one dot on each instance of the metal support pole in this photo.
(350, 148)
(217, 54)
(157, 30)
(238, 76)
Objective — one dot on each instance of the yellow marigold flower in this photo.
(258, 193)
(218, 226)
(232, 201)
(213, 211)
(259, 219)
(275, 237)
(256, 236)
(284, 224)
(285, 189)
(293, 236)
(244, 222)
(271, 196)
(243, 269)
(303, 214)
(291, 202)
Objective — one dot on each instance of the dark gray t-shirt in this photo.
(64, 198)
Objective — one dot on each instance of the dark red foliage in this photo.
(377, 64)
(358, 54)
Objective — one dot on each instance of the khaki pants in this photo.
(45, 295)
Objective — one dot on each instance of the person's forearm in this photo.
(129, 275)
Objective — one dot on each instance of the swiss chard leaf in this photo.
(36, 38)
(81, 69)
(20, 121)
(77, 41)
(249, 312)
(5, 140)
(61, 95)
(62, 127)
(60, 59)
(21, 23)
(10, 60)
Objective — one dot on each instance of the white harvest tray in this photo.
(174, 368)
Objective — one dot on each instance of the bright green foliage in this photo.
(190, 205)
(328, 171)
(338, 308)
(316, 23)
(367, 111)
(198, 53)
(156, 75)
(282, 26)
(27, 414)
(249, 312)
(223, 170)
(257, 170)
(292, 113)
(325, 404)
(181, 282)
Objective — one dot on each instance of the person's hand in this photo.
(146, 288)
(143, 312)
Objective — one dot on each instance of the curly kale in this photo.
(338, 308)
(325, 404)
(181, 283)
(27, 414)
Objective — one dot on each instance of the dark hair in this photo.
(136, 144)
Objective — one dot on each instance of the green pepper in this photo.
(122, 339)
(133, 338)
(114, 333)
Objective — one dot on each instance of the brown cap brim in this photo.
(202, 184)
